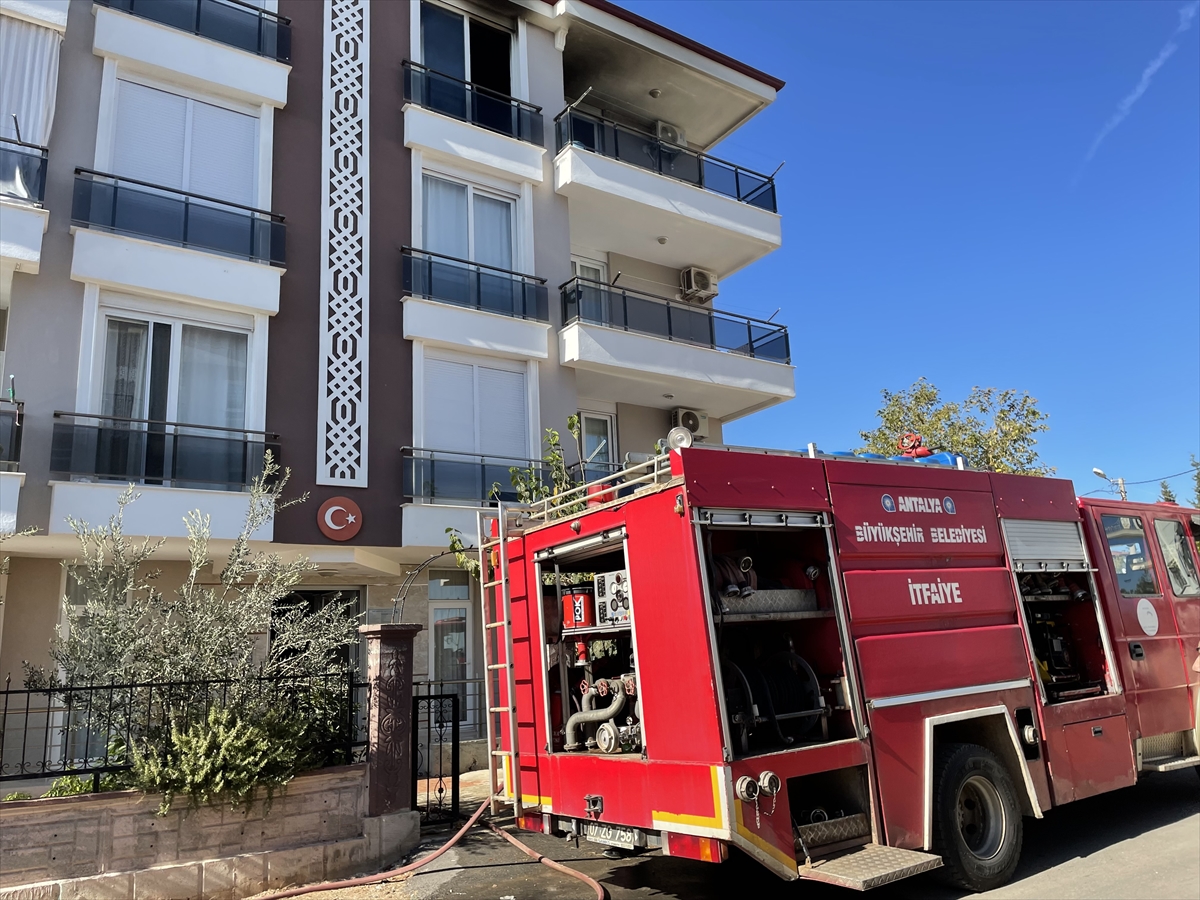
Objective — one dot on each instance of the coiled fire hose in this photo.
(412, 867)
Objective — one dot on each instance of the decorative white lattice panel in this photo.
(345, 231)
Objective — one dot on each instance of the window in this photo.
(29, 82)
(1130, 558)
(1176, 546)
(462, 221)
(467, 49)
(449, 631)
(599, 447)
(592, 296)
(472, 407)
(176, 142)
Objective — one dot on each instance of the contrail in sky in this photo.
(1187, 15)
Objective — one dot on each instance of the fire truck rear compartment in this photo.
(1064, 632)
(777, 638)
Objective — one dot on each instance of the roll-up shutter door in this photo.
(1057, 544)
(224, 154)
(449, 398)
(502, 420)
(150, 135)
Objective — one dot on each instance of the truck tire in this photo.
(977, 825)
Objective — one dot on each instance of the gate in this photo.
(435, 736)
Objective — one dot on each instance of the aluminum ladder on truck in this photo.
(497, 581)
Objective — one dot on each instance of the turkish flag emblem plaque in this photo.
(339, 518)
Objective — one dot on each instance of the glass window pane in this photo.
(1176, 546)
(449, 643)
(124, 369)
(597, 443)
(493, 232)
(212, 377)
(445, 217)
(1131, 560)
(443, 46)
(450, 584)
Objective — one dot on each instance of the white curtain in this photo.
(124, 369)
(28, 79)
(445, 217)
(212, 377)
(493, 232)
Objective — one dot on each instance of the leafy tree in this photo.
(1196, 481)
(993, 429)
(1165, 494)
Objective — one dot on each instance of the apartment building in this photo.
(392, 242)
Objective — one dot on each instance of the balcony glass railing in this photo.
(12, 425)
(127, 206)
(450, 280)
(600, 304)
(232, 22)
(577, 129)
(152, 452)
(22, 171)
(471, 477)
(472, 103)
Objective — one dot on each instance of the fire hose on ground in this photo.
(412, 867)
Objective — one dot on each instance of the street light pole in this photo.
(1119, 482)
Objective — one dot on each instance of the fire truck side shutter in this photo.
(1054, 543)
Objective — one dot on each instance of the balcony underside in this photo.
(627, 367)
(621, 208)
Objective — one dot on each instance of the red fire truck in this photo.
(852, 670)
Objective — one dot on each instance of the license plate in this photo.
(612, 835)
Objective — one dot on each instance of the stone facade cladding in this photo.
(116, 845)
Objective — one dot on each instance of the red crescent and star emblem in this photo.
(339, 518)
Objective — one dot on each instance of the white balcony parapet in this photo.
(471, 146)
(10, 495)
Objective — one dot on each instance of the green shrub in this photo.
(18, 795)
(68, 786)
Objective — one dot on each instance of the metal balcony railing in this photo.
(475, 285)
(138, 208)
(22, 171)
(12, 427)
(596, 303)
(232, 22)
(472, 103)
(154, 452)
(471, 477)
(578, 129)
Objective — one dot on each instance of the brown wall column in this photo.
(389, 742)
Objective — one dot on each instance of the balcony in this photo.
(23, 221)
(440, 476)
(230, 22)
(178, 467)
(224, 46)
(457, 303)
(130, 234)
(630, 346)
(472, 103)
(636, 195)
(12, 425)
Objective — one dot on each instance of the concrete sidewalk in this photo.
(1141, 842)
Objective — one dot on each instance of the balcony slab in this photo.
(628, 367)
(195, 61)
(626, 209)
(425, 524)
(158, 511)
(448, 325)
(144, 266)
(21, 230)
(472, 146)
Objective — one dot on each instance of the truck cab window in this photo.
(1130, 559)
(1174, 541)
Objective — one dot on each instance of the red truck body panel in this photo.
(926, 620)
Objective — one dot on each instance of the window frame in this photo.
(468, 13)
(610, 419)
(473, 188)
(1162, 553)
(470, 693)
(1148, 555)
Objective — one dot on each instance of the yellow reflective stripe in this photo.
(713, 821)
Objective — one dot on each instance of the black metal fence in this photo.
(448, 279)
(450, 475)
(472, 103)
(90, 730)
(232, 22)
(22, 171)
(445, 712)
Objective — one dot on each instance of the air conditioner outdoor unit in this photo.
(671, 134)
(698, 284)
(693, 421)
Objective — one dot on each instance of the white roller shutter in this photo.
(449, 399)
(150, 135)
(224, 154)
(503, 427)
(1057, 544)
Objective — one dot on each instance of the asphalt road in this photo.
(1141, 842)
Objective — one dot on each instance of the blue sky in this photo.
(940, 221)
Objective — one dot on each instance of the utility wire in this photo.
(1164, 478)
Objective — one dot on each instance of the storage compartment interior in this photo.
(590, 670)
(830, 810)
(1060, 612)
(777, 638)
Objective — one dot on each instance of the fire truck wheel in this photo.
(977, 817)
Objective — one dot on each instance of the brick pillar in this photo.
(389, 748)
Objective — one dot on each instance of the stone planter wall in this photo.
(114, 845)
